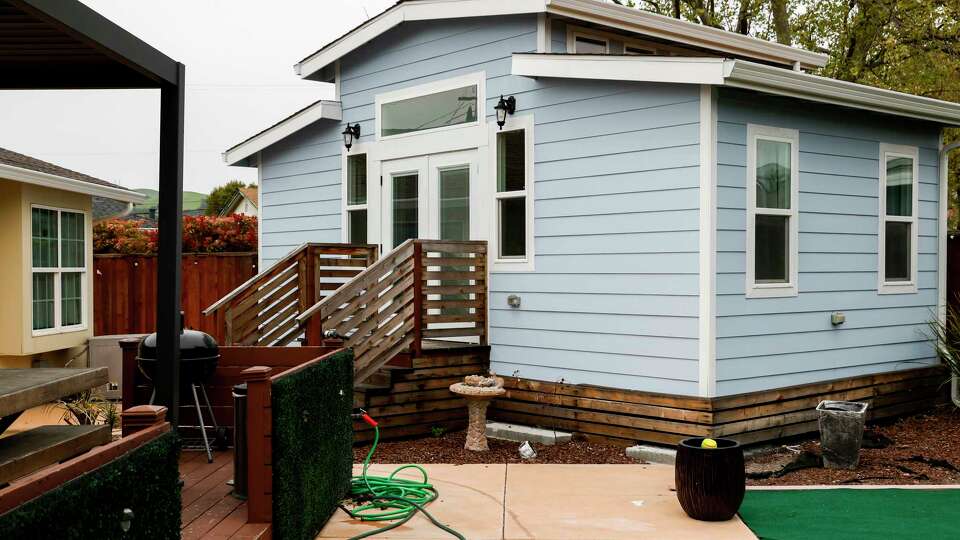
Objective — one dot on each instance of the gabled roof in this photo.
(248, 193)
(318, 110)
(592, 11)
(736, 74)
(22, 168)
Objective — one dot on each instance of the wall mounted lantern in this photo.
(349, 134)
(505, 107)
(126, 519)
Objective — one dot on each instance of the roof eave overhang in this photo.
(772, 80)
(671, 29)
(736, 74)
(611, 15)
(28, 176)
(321, 110)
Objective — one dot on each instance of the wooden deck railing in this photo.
(423, 289)
(263, 311)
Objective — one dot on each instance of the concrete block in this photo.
(518, 433)
(653, 454)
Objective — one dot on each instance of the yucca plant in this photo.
(946, 334)
(89, 408)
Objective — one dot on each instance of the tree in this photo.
(221, 195)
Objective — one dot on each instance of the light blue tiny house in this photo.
(676, 209)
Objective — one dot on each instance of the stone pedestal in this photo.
(478, 399)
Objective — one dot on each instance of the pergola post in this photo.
(169, 227)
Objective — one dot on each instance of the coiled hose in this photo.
(385, 498)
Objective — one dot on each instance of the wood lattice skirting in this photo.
(626, 416)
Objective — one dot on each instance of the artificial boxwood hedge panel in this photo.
(145, 480)
(312, 445)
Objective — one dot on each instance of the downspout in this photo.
(944, 191)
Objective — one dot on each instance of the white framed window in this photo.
(773, 159)
(356, 209)
(582, 40)
(636, 50)
(58, 281)
(512, 169)
(448, 104)
(584, 43)
(898, 226)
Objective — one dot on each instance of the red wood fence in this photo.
(125, 290)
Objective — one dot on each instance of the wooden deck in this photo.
(209, 510)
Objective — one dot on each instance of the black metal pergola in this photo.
(63, 44)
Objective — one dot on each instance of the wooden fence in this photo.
(125, 290)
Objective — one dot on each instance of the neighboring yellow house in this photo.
(244, 201)
(46, 272)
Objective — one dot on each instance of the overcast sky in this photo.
(239, 56)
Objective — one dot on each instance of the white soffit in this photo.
(320, 110)
(29, 176)
(593, 11)
(736, 74)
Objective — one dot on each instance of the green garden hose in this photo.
(386, 498)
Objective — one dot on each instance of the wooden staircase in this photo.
(424, 294)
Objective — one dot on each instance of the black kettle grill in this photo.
(199, 354)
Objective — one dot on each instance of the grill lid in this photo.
(194, 345)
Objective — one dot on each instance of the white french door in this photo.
(435, 197)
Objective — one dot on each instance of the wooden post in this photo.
(308, 296)
(481, 259)
(259, 451)
(418, 312)
(141, 417)
(129, 376)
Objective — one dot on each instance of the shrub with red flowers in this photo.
(201, 234)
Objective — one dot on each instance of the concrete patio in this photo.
(556, 502)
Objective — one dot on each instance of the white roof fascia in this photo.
(29, 176)
(606, 14)
(321, 110)
(421, 10)
(774, 80)
(698, 35)
(663, 69)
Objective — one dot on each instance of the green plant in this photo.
(438, 431)
(946, 334)
(145, 480)
(89, 408)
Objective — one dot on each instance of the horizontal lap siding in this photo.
(613, 300)
(773, 342)
(300, 190)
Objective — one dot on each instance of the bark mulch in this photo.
(921, 449)
(448, 448)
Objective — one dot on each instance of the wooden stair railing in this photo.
(405, 297)
(263, 311)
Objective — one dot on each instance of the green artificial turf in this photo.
(854, 514)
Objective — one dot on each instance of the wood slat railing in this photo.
(423, 289)
(263, 311)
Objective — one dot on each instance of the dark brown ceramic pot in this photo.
(710, 481)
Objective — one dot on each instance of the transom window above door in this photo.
(433, 106)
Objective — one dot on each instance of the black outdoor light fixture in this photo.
(505, 107)
(349, 134)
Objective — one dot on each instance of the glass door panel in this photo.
(406, 222)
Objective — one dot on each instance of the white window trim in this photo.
(792, 136)
(574, 31)
(525, 264)
(346, 207)
(478, 79)
(898, 287)
(57, 294)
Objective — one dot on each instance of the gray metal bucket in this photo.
(841, 432)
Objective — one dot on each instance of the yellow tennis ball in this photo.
(708, 443)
